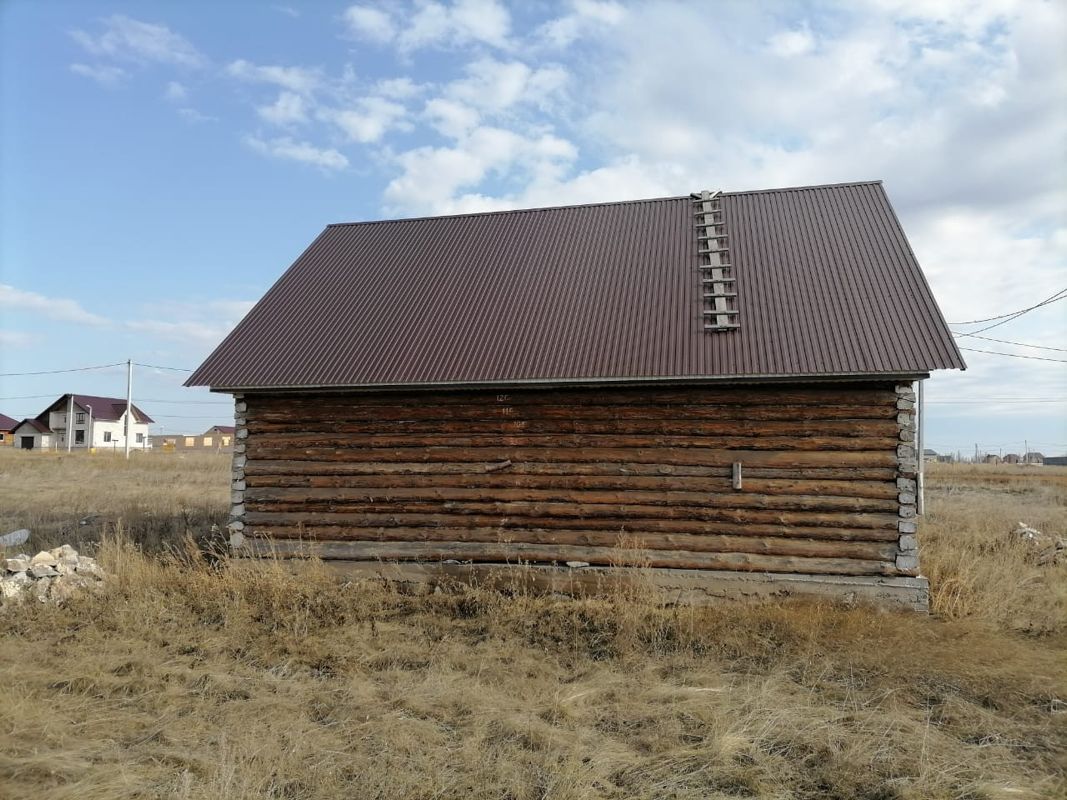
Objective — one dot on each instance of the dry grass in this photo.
(163, 496)
(183, 681)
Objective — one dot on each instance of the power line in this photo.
(1006, 341)
(1046, 301)
(181, 402)
(987, 401)
(28, 397)
(156, 366)
(57, 371)
(1014, 355)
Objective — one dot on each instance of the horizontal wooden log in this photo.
(511, 553)
(655, 455)
(319, 496)
(571, 440)
(620, 512)
(503, 477)
(569, 423)
(294, 523)
(818, 548)
(338, 469)
(757, 394)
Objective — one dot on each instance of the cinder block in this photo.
(907, 562)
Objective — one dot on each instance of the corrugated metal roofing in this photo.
(827, 286)
(104, 409)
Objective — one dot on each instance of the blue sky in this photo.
(162, 163)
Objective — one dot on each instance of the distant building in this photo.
(7, 430)
(1011, 458)
(1033, 458)
(930, 455)
(32, 434)
(98, 422)
(217, 437)
(1056, 461)
(990, 458)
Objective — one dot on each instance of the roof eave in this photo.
(910, 375)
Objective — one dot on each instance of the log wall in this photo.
(816, 480)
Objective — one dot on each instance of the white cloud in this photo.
(326, 159)
(130, 39)
(369, 23)
(368, 119)
(584, 17)
(398, 88)
(788, 44)
(57, 308)
(497, 85)
(192, 115)
(450, 118)
(288, 109)
(289, 11)
(432, 176)
(301, 80)
(103, 74)
(202, 324)
(432, 24)
(14, 338)
(176, 92)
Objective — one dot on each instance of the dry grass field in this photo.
(187, 680)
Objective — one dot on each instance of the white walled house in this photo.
(98, 422)
(32, 434)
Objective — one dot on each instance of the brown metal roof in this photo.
(104, 409)
(827, 286)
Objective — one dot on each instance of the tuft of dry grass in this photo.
(977, 570)
(185, 679)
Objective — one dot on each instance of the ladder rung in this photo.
(710, 313)
(729, 326)
(715, 266)
(724, 279)
(709, 236)
(715, 250)
(713, 295)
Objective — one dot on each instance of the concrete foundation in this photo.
(681, 586)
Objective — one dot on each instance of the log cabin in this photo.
(716, 389)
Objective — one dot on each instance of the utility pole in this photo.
(70, 422)
(129, 402)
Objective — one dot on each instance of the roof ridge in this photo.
(534, 209)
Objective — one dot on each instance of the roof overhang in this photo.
(548, 383)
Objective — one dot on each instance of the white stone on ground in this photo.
(55, 575)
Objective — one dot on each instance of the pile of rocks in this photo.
(55, 575)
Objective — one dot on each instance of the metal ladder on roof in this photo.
(718, 286)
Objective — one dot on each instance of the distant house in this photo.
(98, 422)
(7, 430)
(991, 458)
(217, 437)
(32, 434)
(930, 455)
(1011, 458)
(1056, 461)
(1033, 458)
